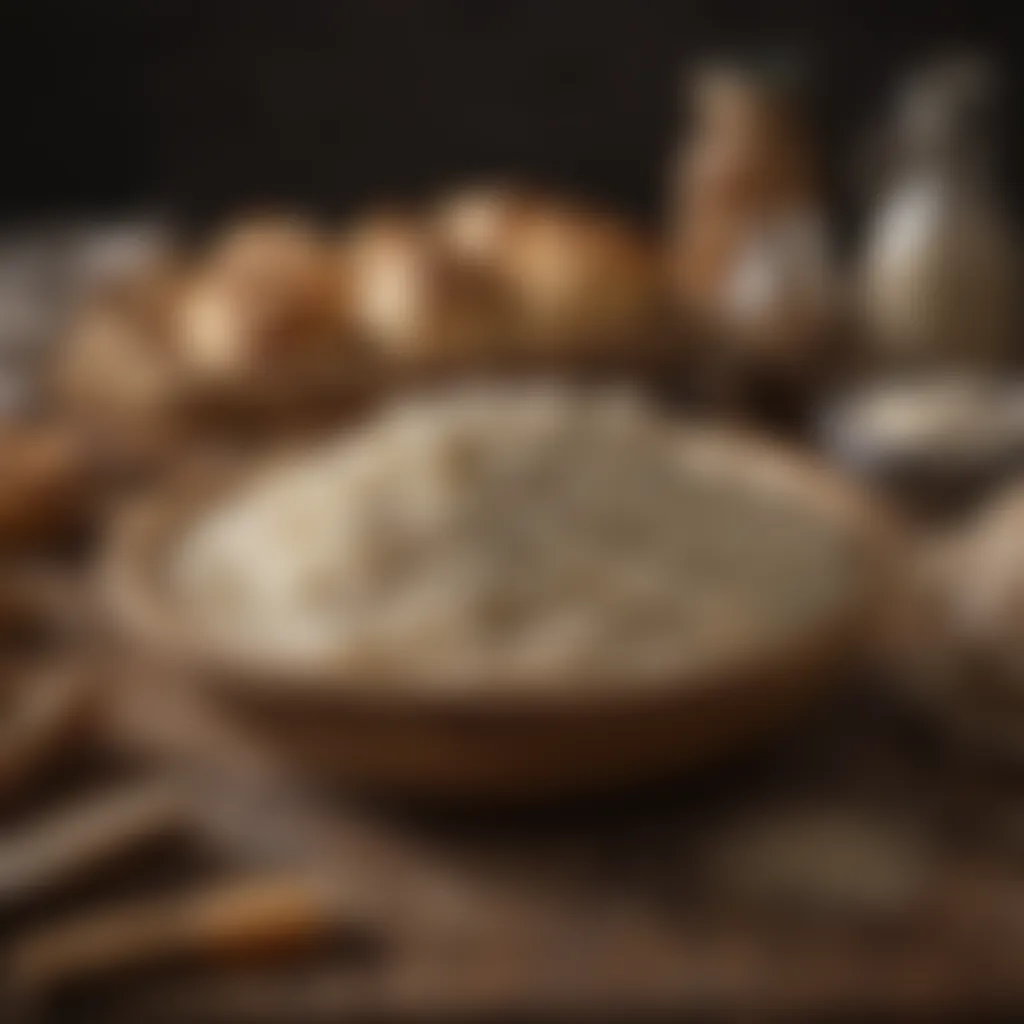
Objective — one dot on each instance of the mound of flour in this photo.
(518, 535)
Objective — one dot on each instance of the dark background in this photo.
(198, 107)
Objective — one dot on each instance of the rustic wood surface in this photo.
(626, 905)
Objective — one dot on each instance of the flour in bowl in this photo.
(514, 535)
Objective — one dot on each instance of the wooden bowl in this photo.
(496, 743)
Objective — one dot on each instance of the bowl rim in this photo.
(144, 613)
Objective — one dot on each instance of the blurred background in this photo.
(197, 108)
